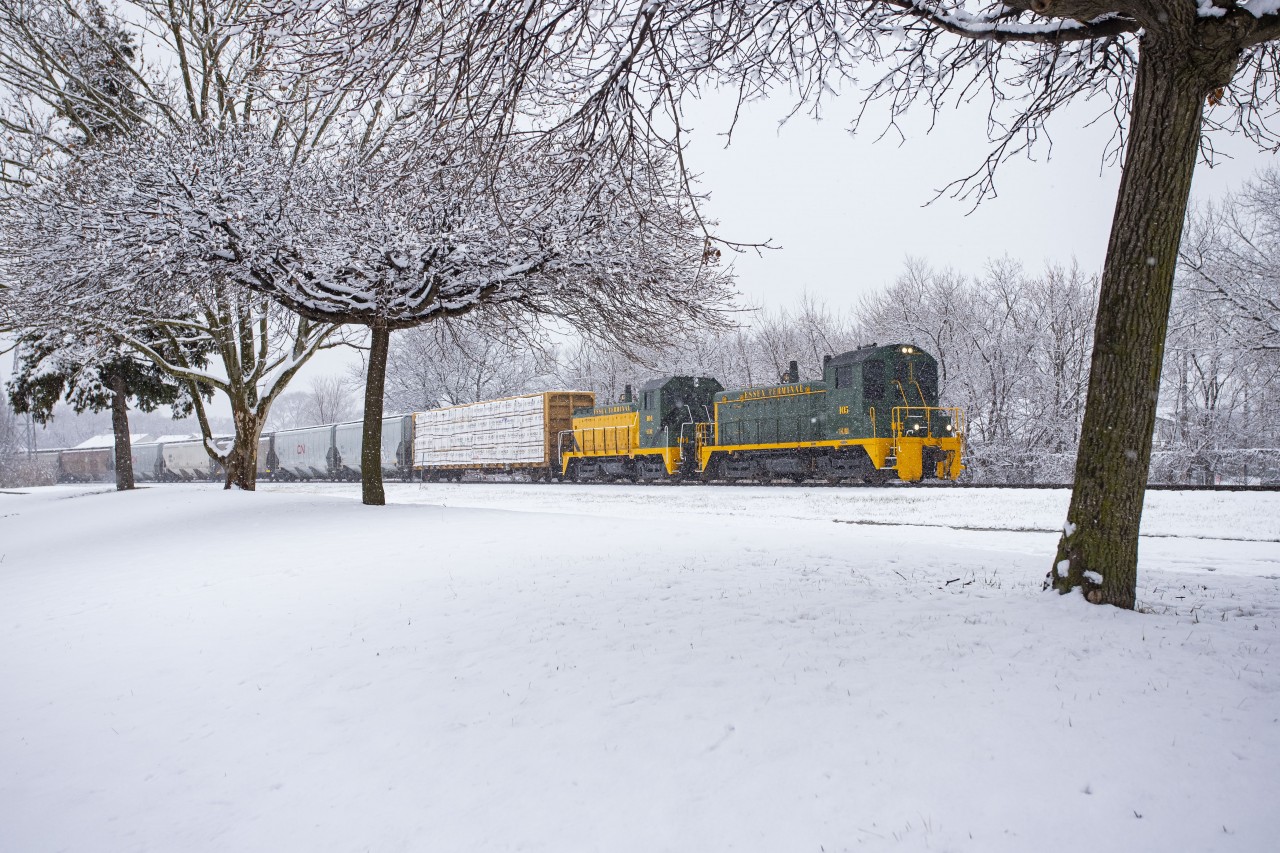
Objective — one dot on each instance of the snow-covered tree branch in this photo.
(1231, 256)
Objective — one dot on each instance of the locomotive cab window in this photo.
(844, 376)
(902, 374)
(648, 400)
(873, 380)
(927, 376)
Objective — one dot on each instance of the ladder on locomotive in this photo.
(703, 436)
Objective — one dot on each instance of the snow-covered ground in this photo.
(558, 668)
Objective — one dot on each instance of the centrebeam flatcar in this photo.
(496, 436)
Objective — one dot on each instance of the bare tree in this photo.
(451, 362)
(1231, 257)
(330, 398)
(115, 246)
(1062, 301)
(924, 306)
(1224, 350)
(604, 370)
(292, 409)
(326, 400)
(422, 232)
(76, 96)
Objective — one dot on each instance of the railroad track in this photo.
(924, 484)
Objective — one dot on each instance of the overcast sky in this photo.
(847, 210)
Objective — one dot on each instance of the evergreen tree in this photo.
(93, 379)
(99, 104)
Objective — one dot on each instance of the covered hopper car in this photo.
(332, 451)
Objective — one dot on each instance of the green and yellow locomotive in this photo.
(874, 416)
(643, 437)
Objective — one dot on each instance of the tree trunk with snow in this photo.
(1098, 552)
(371, 488)
(120, 426)
(242, 462)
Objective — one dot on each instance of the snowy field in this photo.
(558, 668)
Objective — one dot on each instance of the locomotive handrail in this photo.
(560, 444)
(701, 432)
(919, 390)
(901, 413)
(902, 392)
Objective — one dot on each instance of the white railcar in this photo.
(397, 447)
(186, 460)
(304, 454)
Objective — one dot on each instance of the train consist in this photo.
(873, 417)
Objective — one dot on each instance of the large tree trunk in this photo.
(371, 442)
(242, 463)
(1098, 552)
(120, 426)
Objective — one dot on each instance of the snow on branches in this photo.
(612, 74)
(145, 226)
(1231, 259)
(128, 243)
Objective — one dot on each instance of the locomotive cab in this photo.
(891, 392)
(669, 407)
(649, 436)
(868, 385)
